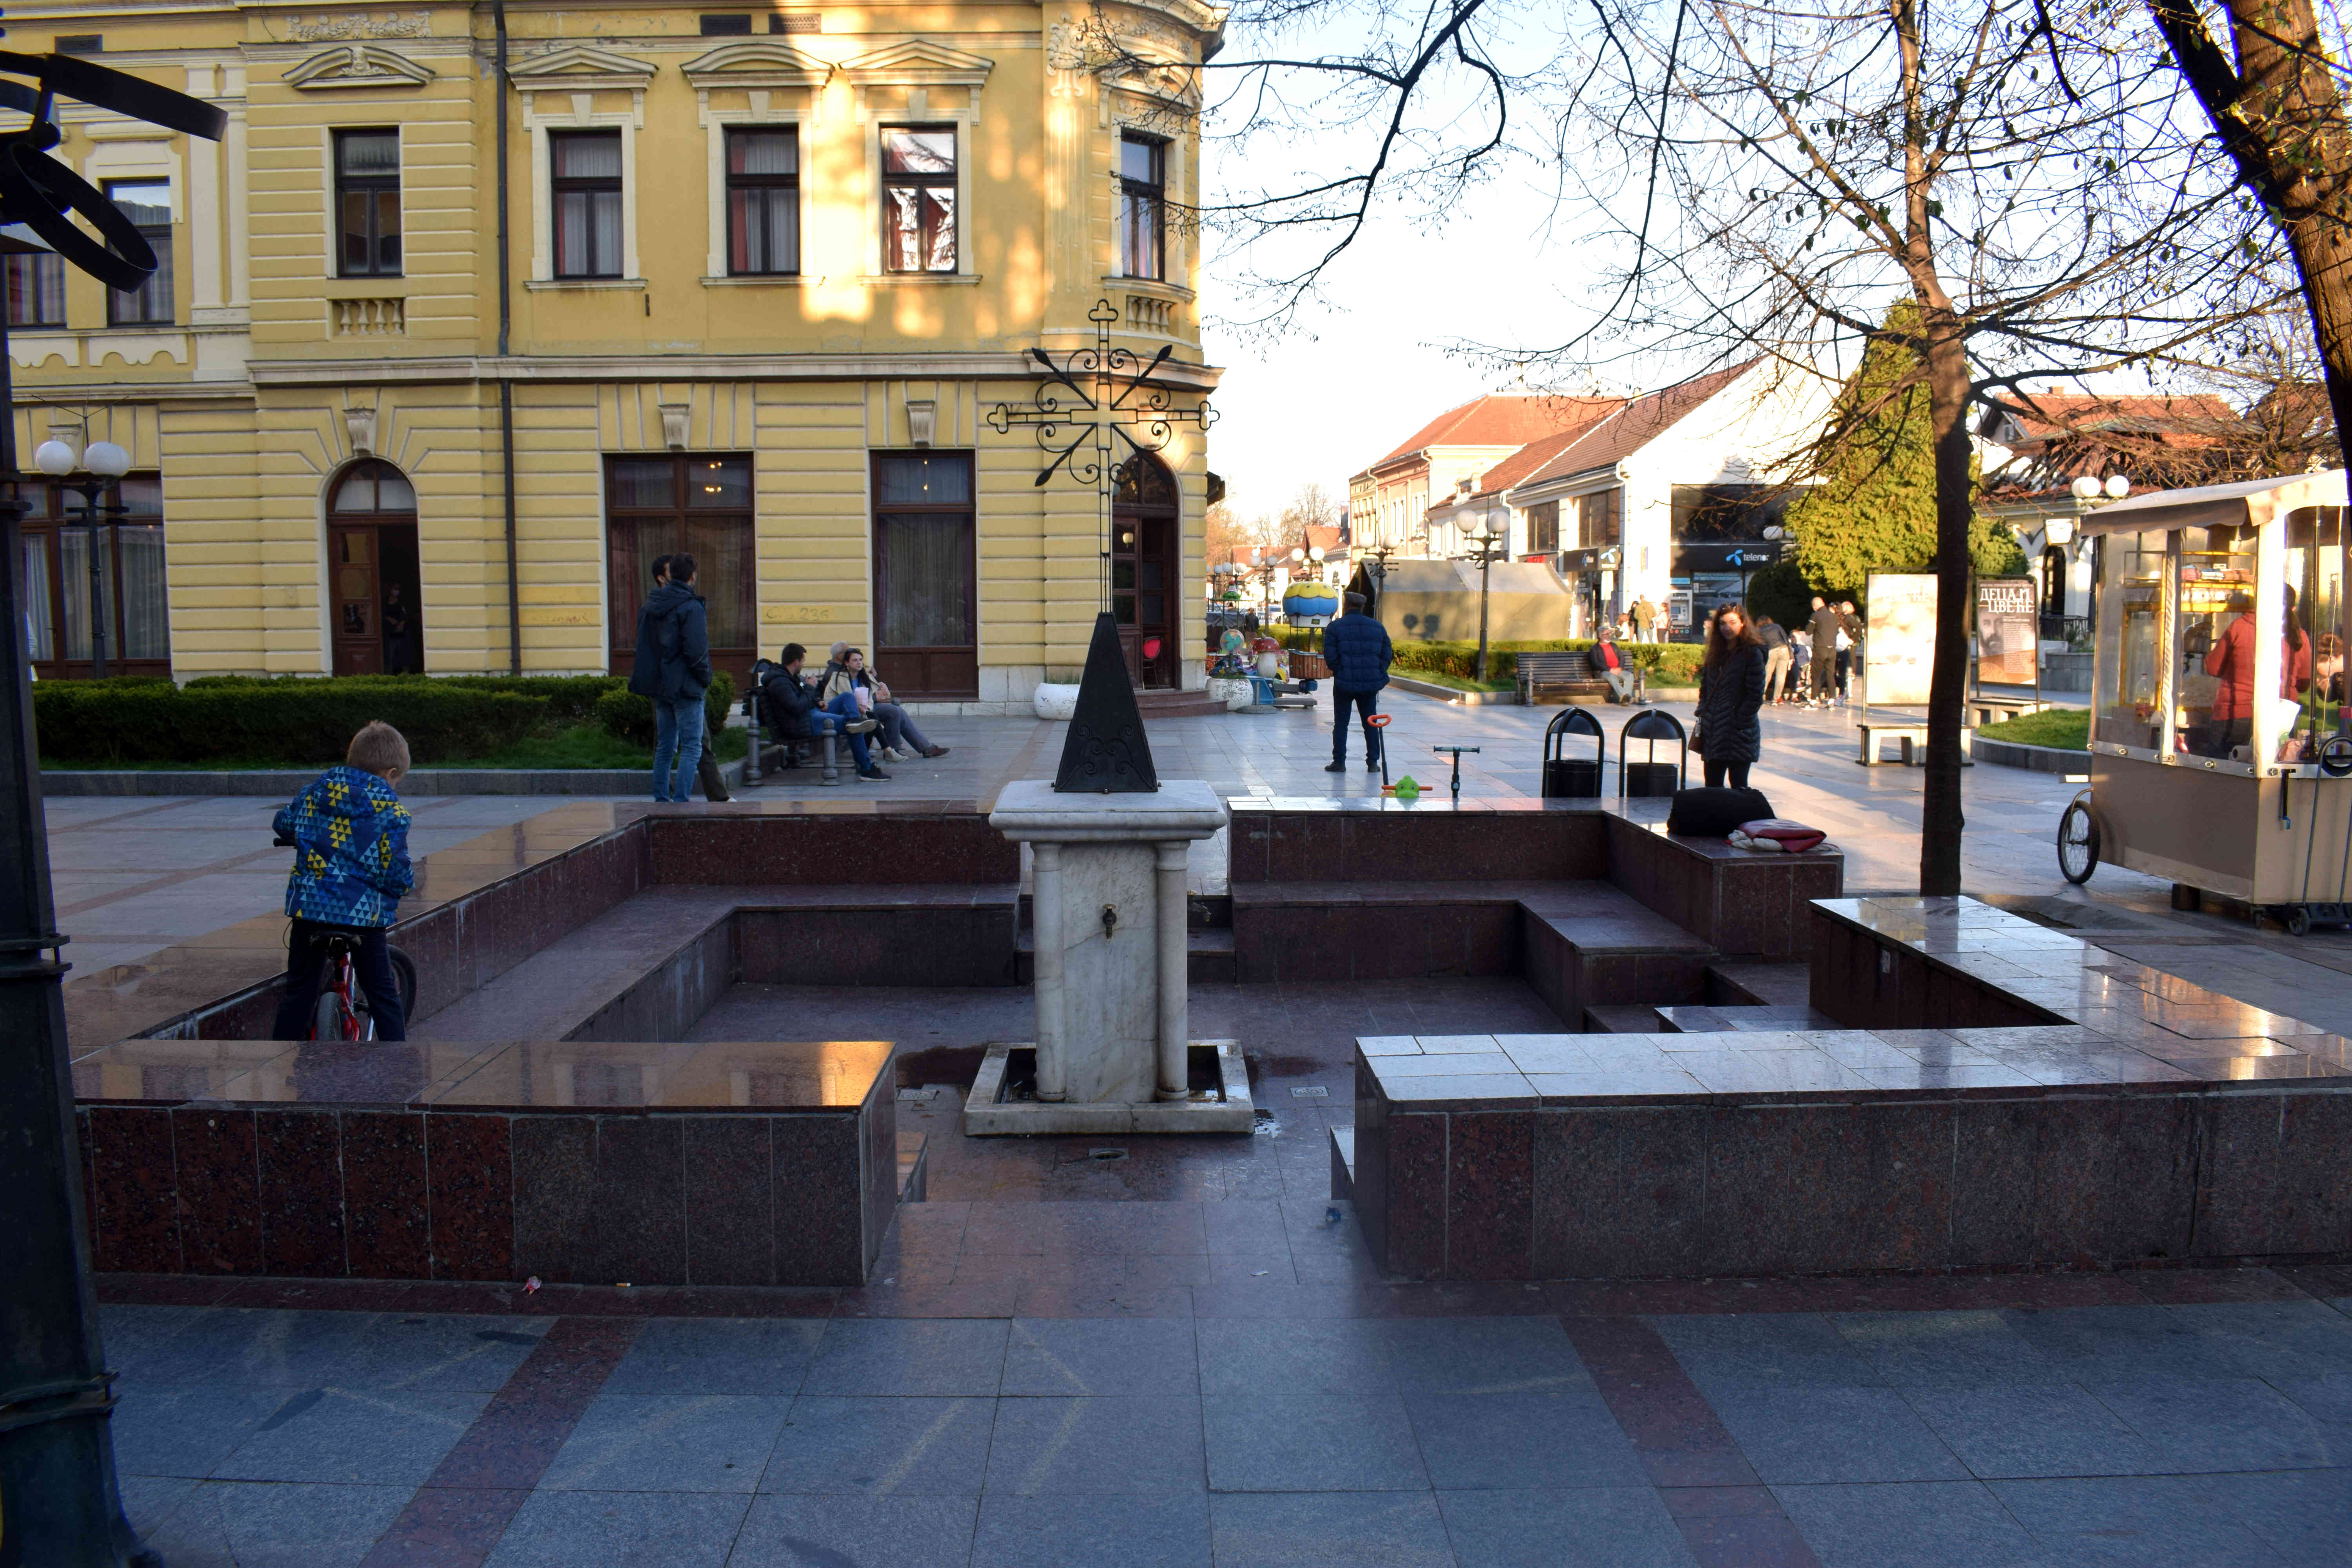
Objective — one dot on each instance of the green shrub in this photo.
(1669, 663)
(570, 698)
(629, 716)
(290, 723)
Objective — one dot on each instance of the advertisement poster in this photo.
(1899, 650)
(2009, 625)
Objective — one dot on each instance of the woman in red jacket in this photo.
(2233, 663)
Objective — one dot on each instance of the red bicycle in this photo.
(342, 1011)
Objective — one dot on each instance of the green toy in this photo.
(1406, 790)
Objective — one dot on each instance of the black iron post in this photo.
(59, 1504)
(101, 564)
(1487, 549)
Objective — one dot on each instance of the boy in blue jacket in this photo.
(350, 867)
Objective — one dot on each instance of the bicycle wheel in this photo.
(405, 969)
(332, 1020)
(2078, 844)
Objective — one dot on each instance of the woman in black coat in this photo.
(1730, 691)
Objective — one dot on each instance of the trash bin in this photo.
(1573, 778)
(1650, 776)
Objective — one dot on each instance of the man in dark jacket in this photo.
(672, 670)
(1356, 649)
(793, 703)
(1824, 631)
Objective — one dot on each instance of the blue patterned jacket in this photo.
(351, 863)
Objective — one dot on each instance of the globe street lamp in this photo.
(104, 464)
(1489, 548)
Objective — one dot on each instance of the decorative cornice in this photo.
(267, 374)
(357, 66)
(918, 62)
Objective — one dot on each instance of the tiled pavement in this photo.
(1974, 1423)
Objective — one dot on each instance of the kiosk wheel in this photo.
(2298, 920)
(2078, 843)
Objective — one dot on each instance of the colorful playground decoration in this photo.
(1310, 604)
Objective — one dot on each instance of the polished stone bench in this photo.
(2130, 1117)
(587, 1162)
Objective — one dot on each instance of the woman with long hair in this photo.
(1730, 692)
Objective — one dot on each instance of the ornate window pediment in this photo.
(916, 63)
(357, 66)
(756, 63)
(582, 65)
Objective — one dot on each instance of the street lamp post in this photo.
(104, 464)
(1487, 545)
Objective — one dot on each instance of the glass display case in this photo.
(2219, 739)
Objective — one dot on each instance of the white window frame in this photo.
(332, 206)
(559, 93)
(920, 66)
(786, 88)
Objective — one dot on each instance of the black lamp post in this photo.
(103, 464)
(59, 1506)
(1491, 548)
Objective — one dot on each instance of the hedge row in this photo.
(1669, 663)
(299, 724)
(630, 716)
(308, 721)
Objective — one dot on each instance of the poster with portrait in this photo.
(1899, 643)
(2009, 626)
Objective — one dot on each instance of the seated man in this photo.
(1624, 681)
(793, 705)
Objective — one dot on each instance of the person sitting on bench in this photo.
(1624, 683)
(793, 705)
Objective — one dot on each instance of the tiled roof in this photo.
(1634, 425)
(2052, 415)
(1515, 468)
(1504, 420)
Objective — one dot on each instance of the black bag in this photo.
(714, 783)
(1705, 813)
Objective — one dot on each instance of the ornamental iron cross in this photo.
(1093, 403)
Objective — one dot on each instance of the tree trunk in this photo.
(1940, 819)
(2282, 118)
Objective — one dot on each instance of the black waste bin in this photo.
(1573, 778)
(1650, 776)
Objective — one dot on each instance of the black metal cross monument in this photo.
(1097, 411)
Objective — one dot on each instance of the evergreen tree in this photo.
(1876, 509)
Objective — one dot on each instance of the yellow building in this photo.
(767, 273)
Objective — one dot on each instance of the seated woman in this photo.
(850, 688)
(797, 713)
(901, 740)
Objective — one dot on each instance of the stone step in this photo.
(1697, 1020)
(1730, 983)
(1623, 1018)
(1176, 705)
(1343, 1162)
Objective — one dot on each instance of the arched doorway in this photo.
(374, 594)
(1143, 597)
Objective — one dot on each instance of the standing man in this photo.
(1776, 657)
(1358, 650)
(1824, 630)
(1645, 617)
(672, 670)
(1848, 644)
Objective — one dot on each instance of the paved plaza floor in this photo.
(1104, 1352)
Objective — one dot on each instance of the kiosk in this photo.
(2217, 739)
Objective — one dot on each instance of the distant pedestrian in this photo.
(1623, 682)
(399, 633)
(1848, 641)
(1646, 619)
(1822, 631)
(1356, 649)
(1730, 694)
(672, 670)
(1777, 655)
(1624, 626)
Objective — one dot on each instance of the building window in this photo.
(367, 202)
(148, 203)
(763, 203)
(925, 614)
(1143, 207)
(54, 583)
(585, 175)
(1543, 528)
(919, 198)
(700, 503)
(36, 290)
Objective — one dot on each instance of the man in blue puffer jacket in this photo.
(1357, 648)
(350, 867)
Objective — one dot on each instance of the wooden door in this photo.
(1143, 598)
(355, 597)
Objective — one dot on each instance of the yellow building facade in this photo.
(767, 274)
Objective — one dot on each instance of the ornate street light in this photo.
(1490, 543)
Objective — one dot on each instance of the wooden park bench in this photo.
(1573, 675)
(1994, 710)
